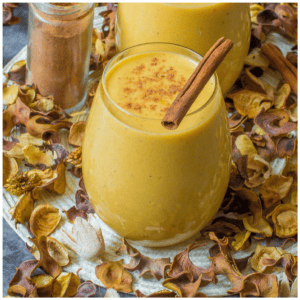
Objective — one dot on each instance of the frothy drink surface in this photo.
(147, 84)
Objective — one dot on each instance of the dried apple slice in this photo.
(44, 219)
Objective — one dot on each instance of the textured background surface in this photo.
(14, 250)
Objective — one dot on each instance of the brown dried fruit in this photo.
(55, 249)
(45, 128)
(59, 151)
(83, 202)
(241, 241)
(27, 94)
(97, 49)
(8, 145)
(22, 209)
(30, 180)
(245, 146)
(270, 21)
(254, 10)
(46, 262)
(257, 139)
(274, 189)
(255, 284)
(55, 114)
(287, 261)
(249, 103)
(250, 81)
(86, 289)
(76, 134)
(292, 197)
(236, 181)
(59, 185)
(262, 227)
(27, 139)
(268, 151)
(144, 264)
(76, 171)
(288, 19)
(10, 94)
(258, 36)
(100, 56)
(257, 60)
(44, 219)
(15, 114)
(235, 121)
(35, 156)
(10, 168)
(17, 73)
(65, 285)
(224, 226)
(44, 104)
(286, 147)
(44, 284)
(113, 275)
(258, 171)
(264, 252)
(182, 285)
(285, 219)
(15, 149)
(281, 96)
(182, 263)
(21, 282)
(81, 184)
(16, 290)
(253, 203)
(75, 157)
(293, 113)
(266, 121)
(158, 294)
(73, 213)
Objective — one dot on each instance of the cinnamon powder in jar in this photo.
(59, 50)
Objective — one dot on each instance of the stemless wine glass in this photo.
(193, 25)
(154, 186)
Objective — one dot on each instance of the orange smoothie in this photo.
(151, 185)
(193, 25)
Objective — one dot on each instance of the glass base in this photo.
(78, 106)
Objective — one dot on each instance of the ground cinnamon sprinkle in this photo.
(59, 50)
(149, 95)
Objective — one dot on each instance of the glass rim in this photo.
(51, 9)
(103, 83)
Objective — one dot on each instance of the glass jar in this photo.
(153, 186)
(59, 45)
(193, 25)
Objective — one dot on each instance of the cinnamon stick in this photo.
(280, 63)
(196, 83)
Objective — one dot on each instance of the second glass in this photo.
(193, 25)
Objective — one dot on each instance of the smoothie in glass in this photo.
(193, 25)
(151, 185)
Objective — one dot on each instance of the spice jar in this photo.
(59, 45)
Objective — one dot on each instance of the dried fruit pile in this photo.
(260, 203)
